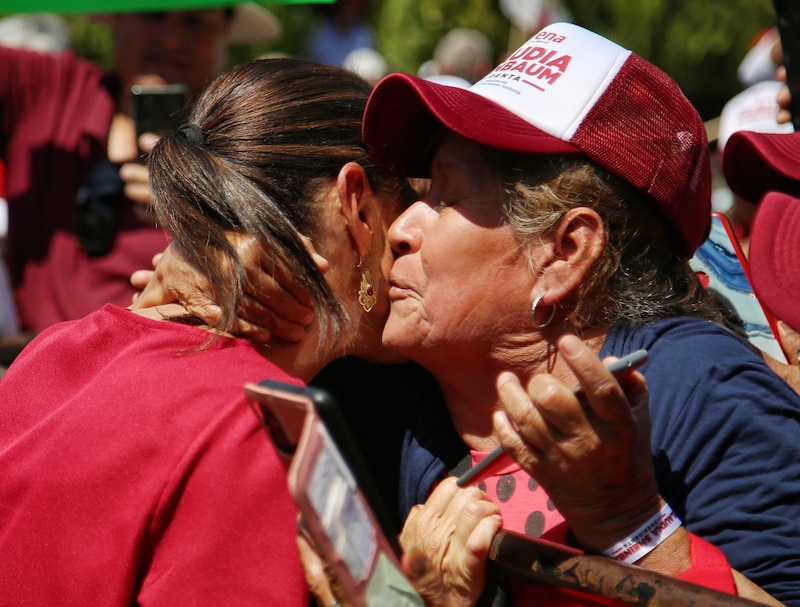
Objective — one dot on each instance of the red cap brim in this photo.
(756, 163)
(404, 113)
(773, 256)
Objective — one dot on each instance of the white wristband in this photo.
(649, 535)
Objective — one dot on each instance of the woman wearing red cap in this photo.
(569, 188)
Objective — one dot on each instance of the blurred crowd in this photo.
(89, 203)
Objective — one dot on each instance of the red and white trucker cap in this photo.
(565, 91)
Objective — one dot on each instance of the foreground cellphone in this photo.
(340, 507)
(488, 464)
(721, 261)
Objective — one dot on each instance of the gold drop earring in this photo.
(366, 293)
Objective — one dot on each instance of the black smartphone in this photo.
(787, 13)
(158, 108)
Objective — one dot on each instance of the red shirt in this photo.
(55, 112)
(134, 471)
(527, 509)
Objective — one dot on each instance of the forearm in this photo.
(683, 555)
(692, 559)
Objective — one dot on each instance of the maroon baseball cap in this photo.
(773, 256)
(565, 91)
(755, 163)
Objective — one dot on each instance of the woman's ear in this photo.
(577, 242)
(356, 200)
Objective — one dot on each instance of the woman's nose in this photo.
(405, 233)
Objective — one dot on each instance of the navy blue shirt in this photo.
(726, 445)
(725, 440)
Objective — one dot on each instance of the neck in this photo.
(302, 360)
(298, 360)
(469, 385)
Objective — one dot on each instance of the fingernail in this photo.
(570, 346)
(504, 377)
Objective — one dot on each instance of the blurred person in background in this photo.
(461, 58)
(763, 168)
(762, 58)
(367, 63)
(343, 29)
(78, 199)
(754, 109)
(46, 33)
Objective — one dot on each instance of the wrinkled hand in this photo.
(446, 544)
(171, 280)
(592, 456)
(274, 305)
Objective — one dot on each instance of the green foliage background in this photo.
(699, 43)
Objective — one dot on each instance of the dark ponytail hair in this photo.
(273, 132)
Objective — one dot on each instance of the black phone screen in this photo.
(158, 109)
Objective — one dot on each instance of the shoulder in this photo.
(699, 365)
(690, 344)
(26, 63)
(61, 88)
(118, 355)
(676, 332)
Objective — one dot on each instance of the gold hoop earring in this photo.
(534, 307)
(366, 293)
